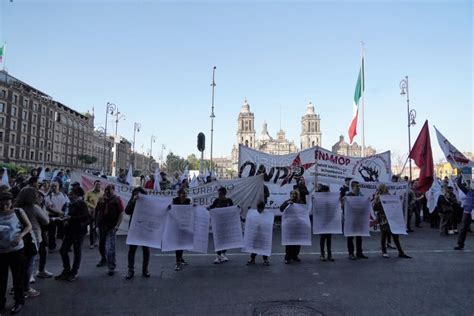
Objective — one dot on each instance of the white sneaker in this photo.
(450, 232)
(218, 260)
(224, 258)
(44, 274)
(32, 279)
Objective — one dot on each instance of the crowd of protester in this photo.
(35, 215)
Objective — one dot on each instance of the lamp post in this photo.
(213, 85)
(152, 140)
(411, 115)
(118, 117)
(110, 108)
(101, 131)
(136, 128)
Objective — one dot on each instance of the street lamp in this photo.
(152, 140)
(118, 116)
(411, 115)
(136, 128)
(213, 85)
(110, 108)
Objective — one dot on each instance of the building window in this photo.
(43, 121)
(15, 99)
(33, 130)
(35, 118)
(1, 150)
(25, 102)
(24, 115)
(23, 139)
(3, 93)
(24, 127)
(41, 132)
(22, 153)
(32, 155)
(1, 136)
(14, 111)
(33, 142)
(2, 107)
(12, 138)
(35, 106)
(2, 121)
(41, 143)
(12, 152)
(13, 124)
(40, 156)
(50, 134)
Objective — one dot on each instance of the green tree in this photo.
(193, 162)
(174, 163)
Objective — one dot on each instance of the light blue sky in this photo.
(154, 60)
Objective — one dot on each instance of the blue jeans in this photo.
(110, 249)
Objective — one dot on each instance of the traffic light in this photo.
(201, 144)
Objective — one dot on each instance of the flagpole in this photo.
(363, 93)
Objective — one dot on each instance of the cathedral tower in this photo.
(245, 126)
(310, 128)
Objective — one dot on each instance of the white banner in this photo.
(148, 221)
(201, 229)
(356, 216)
(179, 228)
(226, 228)
(258, 232)
(392, 206)
(296, 226)
(281, 171)
(246, 192)
(327, 213)
(399, 189)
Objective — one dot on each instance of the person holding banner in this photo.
(467, 216)
(291, 251)
(132, 249)
(302, 189)
(355, 191)
(221, 201)
(260, 209)
(181, 199)
(384, 225)
(325, 238)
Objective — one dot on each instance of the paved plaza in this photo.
(437, 281)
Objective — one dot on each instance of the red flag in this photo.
(422, 155)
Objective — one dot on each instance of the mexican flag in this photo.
(359, 90)
(2, 52)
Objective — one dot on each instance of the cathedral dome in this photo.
(245, 107)
(264, 136)
(310, 109)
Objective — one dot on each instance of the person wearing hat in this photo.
(384, 225)
(75, 229)
(221, 201)
(132, 249)
(14, 225)
(181, 199)
(109, 212)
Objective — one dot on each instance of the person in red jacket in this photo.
(150, 184)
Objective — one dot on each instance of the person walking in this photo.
(181, 199)
(384, 225)
(14, 225)
(109, 211)
(221, 201)
(75, 229)
(291, 251)
(132, 249)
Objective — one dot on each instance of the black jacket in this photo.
(76, 225)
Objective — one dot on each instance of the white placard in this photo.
(327, 213)
(201, 230)
(148, 221)
(226, 228)
(296, 226)
(258, 232)
(392, 206)
(356, 216)
(179, 228)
